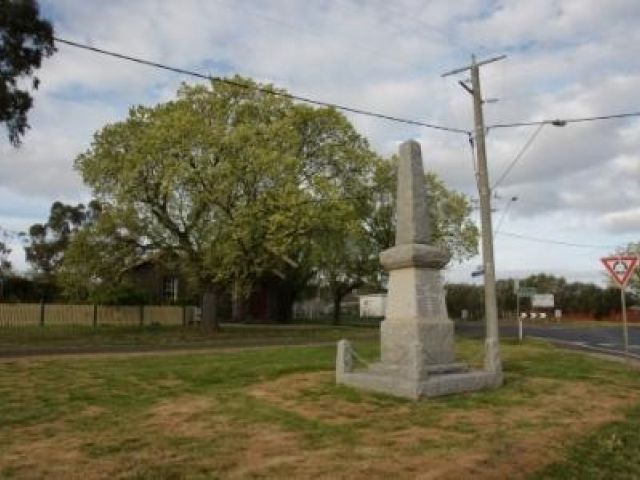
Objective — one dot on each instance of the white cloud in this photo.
(622, 221)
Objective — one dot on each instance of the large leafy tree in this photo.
(244, 186)
(232, 180)
(25, 39)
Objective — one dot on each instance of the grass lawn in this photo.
(276, 413)
(57, 337)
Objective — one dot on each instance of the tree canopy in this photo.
(25, 39)
(242, 186)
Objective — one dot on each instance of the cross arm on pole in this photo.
(468, 67)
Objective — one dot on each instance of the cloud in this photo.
(622, 221)
(565, 58)
(43, 165)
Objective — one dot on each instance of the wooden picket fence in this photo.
(41, 314)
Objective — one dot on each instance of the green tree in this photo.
(464, 296)
(449, 213)
(97, 258)
(47, 242)
(228, 178)
(345, 256)
(348, 254)
(25, 39)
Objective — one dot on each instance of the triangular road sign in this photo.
(620, 268)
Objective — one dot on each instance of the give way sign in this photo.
(620, 268)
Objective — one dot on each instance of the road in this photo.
(606, 339)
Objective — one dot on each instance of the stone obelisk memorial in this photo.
(417, 338)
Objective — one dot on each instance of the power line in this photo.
(553, 241)
(268, 91)
(560, 122)
(518, 156)
(345, 108)
(504, 214)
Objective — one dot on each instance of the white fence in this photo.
(35, 314)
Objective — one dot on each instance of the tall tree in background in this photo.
(47, 242)
(5, 264)
(5, 268)
(25, 39)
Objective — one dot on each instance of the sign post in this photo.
(516, 288)
(521, 292)
(620, 269)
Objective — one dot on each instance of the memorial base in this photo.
(435, 380)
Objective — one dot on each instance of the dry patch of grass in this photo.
(182, 416)
(50, 451)
(311, 396)
(485, 442)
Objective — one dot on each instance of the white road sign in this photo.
(542, 300)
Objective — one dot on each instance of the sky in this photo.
(577, 187)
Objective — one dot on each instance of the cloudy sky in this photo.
(578, 187)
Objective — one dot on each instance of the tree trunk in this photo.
(337, 307)
(209, 313)
(338, 294)
(281, 298)
(238, 304)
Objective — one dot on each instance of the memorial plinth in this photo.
(417, 339)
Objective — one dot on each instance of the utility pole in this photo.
(492, 361)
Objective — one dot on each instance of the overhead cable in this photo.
(560, 122)
(504, 214)
(553, 241)
(268, 91)
(518, 156)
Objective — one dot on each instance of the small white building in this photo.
(373, 305)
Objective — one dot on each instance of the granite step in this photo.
(435, 369)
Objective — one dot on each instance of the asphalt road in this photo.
(605, 339)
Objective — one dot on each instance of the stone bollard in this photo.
(344, 359)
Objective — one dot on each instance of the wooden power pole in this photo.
(492, 361)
